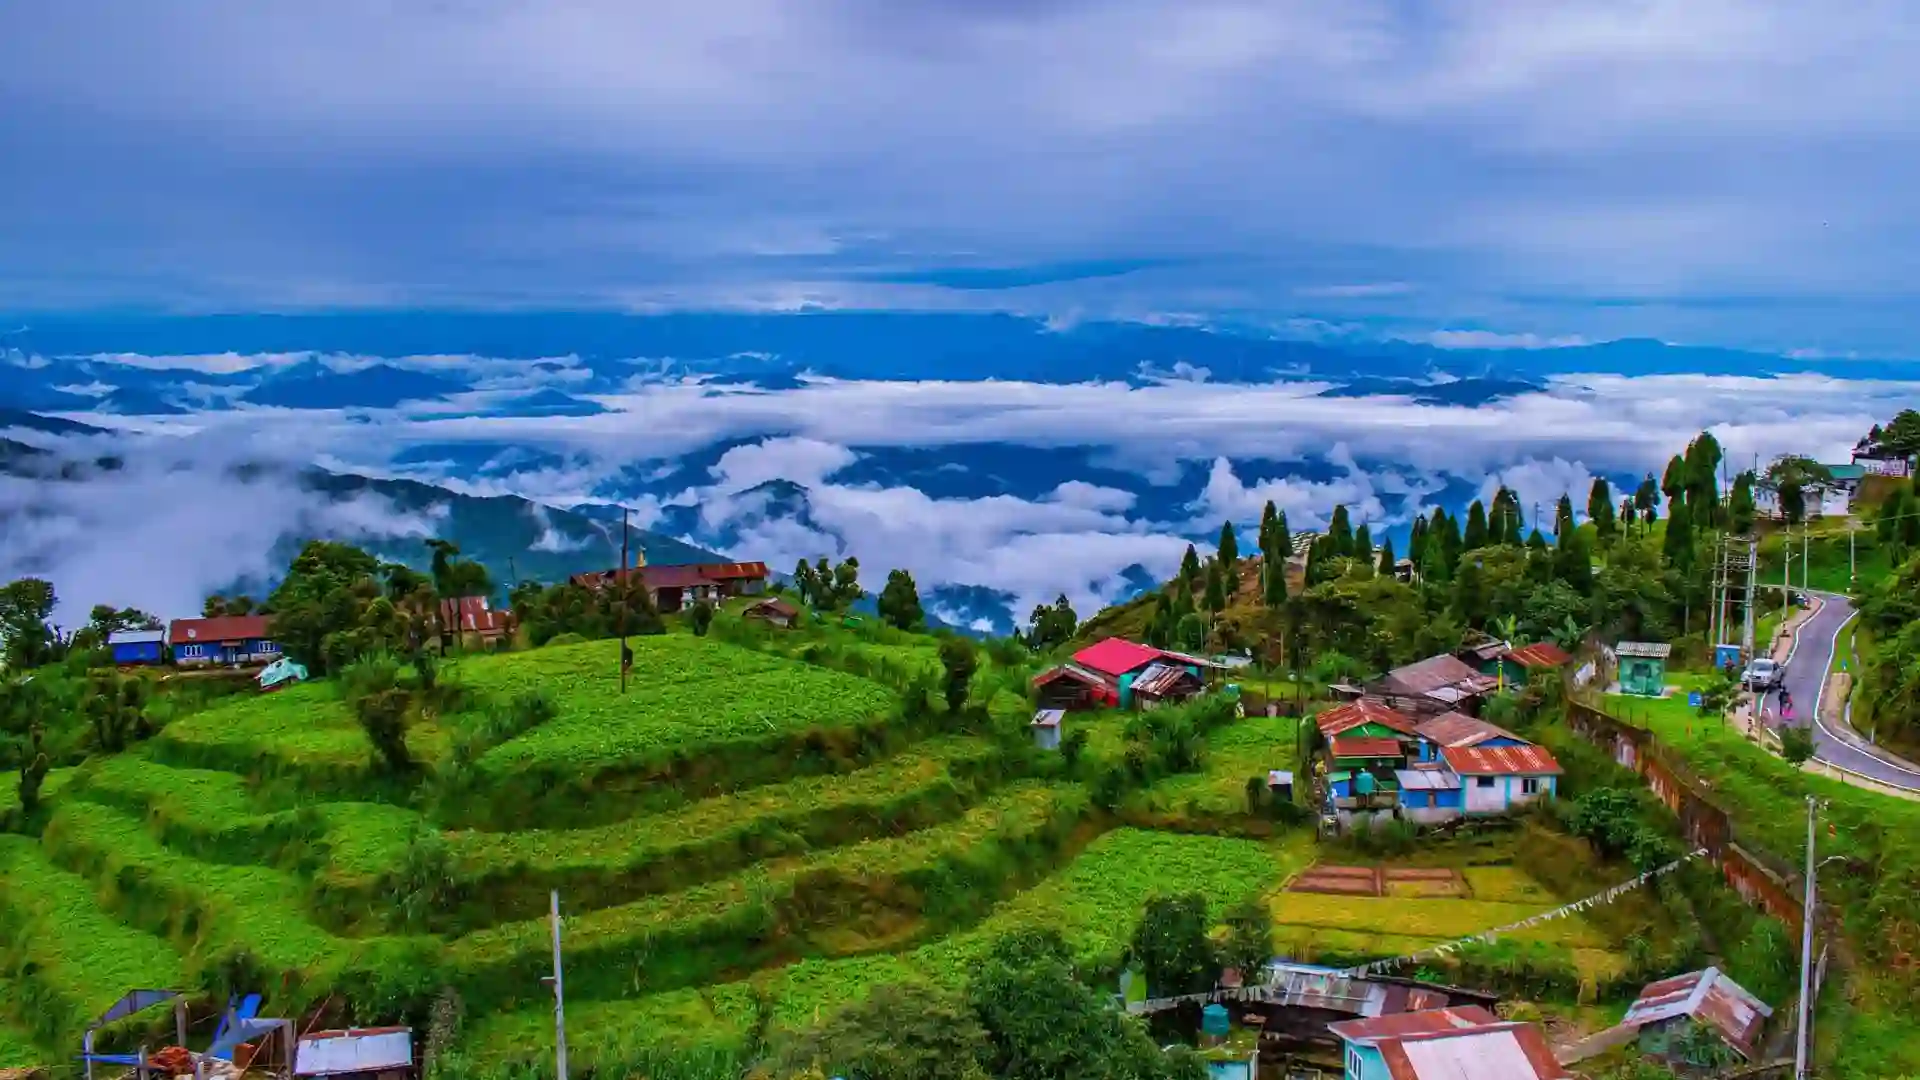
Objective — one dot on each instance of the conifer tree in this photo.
(1190, 567)
(1228, 551)
(1216, 598)
(1600, 509)
(1476, 536)
(1387, 561)
(1363, 544)
(1340, 533)
(1563, 520)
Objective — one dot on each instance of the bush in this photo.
(1796, 744)
(371, 686)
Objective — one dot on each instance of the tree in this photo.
(1703, 480)
(1417, 542)
(1646, 500)
(846, 583)
(324, 594)
(1504, 520)
(1363, 544)
(27, 639)
(1600, 508)
(899, 603)
(1740, 507)
(1171, 945)
(1216, 597)
(1562, 519)
(1673, 482)
(373, 691)
(1190, 631)
(1269, 516)
(1387, 562)
(1228, 550)
(959, 661)
(700, 617)
(1280, 547)
(804, 583)
(1249, 943)
(116, 706)
(1190, 567)
(1900, 438)
(1051, 625)
(897, 1031)
(1273, 581)
(1549, 608)
(1789, 477)
(1796, 744)
(34, 767)
(1477, 535)
(1340, 533)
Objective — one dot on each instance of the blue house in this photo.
(223, 640)
(136, 646)
(1499, 779)
(1430, 795)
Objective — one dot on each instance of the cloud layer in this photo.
(1718, 170)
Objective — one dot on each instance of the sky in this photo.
(1733, 172)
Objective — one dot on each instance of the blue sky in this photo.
(1708, 171)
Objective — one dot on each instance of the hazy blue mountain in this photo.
(312, 385)
(1469, 392)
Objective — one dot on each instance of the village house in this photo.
(1643, 667)
(1438, 684)
(1519, 666)
(1445, 1044)
(674, 588)
(136, 647)
(1108, 672)
(222, 640)
(1666, 1010)
(478, 624)
(1878, 462)
(384, 1053)
(1499, 779)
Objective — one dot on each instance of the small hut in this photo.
(1643, 667)
(384, 1053)
(773, 612)
(1046, 728)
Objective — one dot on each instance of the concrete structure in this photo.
(224, 640)
(1643, 667)
(136, 647)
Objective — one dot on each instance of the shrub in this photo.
(371, 686)
(1796, 744)
(700, 618)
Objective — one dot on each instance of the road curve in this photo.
(1806, 680)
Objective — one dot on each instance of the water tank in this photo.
(1214, 1021)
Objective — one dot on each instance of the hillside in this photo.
(758, 831)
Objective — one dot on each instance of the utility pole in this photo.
(1753, 569)
(560, 997)
(626, 586)
(1850, 567)
(1806, 952)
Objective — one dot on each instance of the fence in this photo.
(1760, 877)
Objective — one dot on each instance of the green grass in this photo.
(69, 959)
(1442, 919)
(304, 731)
(930, 783)
(1248, 747)
(17, 1048)
(56, 780)
(608, 1035)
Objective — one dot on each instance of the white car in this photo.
(1762, 676)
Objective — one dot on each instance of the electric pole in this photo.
(1786, 572)
(1806, 952)
(1753, 569)
(560, 997)
(626, 586)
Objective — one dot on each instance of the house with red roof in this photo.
(1445, 1044)
(225, 640)
(1500, 779)
(1105, 673)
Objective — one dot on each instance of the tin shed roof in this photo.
(1709, 997)
(1412, 1023)
(1459, 729)
(1540, 654)
(1427, 779)
(1159, 679)
(733, 571)
(136, 637)
(1500, 760)
(1656, 650)
(1501, 1051)
(330, 1053)
(218, 629)
(1362, 746)
(1433, 673)
(1355, 714)
(1116, 656)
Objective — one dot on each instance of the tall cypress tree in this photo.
(1387, 561)
(1740, 508)
(1216, 598)
(1417, 542)
(1268, 516)
(1228, 551)
(1273, 580)
(1363, 544)
(1563, 520)
(1190, 567)
(1600, 508)
(1282, 541)
(1679, 542)
(1340, 533)
(1476, 536)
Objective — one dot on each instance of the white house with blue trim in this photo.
(1444, 1044)
(1501, 779)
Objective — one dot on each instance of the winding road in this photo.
(1806, 679)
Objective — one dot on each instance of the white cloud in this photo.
(1489, 339)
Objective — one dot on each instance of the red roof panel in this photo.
(1116, 656)
(1542, 654)
(1413, 1023)
(1362, 746)
(217, 629)
(1500, 760)
(1355, 714)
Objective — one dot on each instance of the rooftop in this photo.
(328, 1053)
(1656, 650)
(1459, 729)
(1116, 656)
(1355, 714)
(1412, 1023)
(1540, 654)
(221, 628)
(1433, 673)
(136, 637)
(1710, 998)
(1500, 760)
(1363, 746)
(1504, 1051)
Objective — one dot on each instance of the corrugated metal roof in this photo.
(1656, 650)
(675, 577)
(136, 637)
(1413, 1023)
(1432, 673)
(1160, 679)
(1427, 779)
(1366, 746)
(218, 629)
(1116, 656)
(1459, 729)
(777, 606)
(1540, 654)
(1279, 776)
(733, 571)
(1496, 1052)
(1500, 760)
(1309, 987)
(1074, 672)
(1708, 997)
(1048, 717)
(1360, 713)
(329, 1053)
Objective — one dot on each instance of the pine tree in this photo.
(1190, 567)
(1216, 598)
(1228, 551)
(1268, 516)
(1274, 582)
(1573, 563)
(1647, 500)
(1600, 509)
(1562, 520)
(1363, 544)
(1503, 520)
(1703, 480)
(1476, 536)
(1387, 562)
(1417, 542)
(1673, 482)
(1281, 547)
(1740, 508)
(1679, 542)
(1340, 533)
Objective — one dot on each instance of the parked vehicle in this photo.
(1763, 675)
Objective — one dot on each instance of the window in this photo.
(1353, 1064)
(1530, 786)
(1483, 781)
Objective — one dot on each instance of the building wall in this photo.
(1047, 738)
(1364, 1063)
(1485, 794)
(137, 652)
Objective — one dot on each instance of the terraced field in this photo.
(742, 841)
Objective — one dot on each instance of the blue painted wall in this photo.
(136, 652)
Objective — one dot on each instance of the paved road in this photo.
(1806, 680)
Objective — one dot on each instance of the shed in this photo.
(1643, 667)
(1445, 1044)
(1162, 683)
(1429, 796)
(1280, 783)
(1706, 999)
(773, 612)
(136, 646)
(384, 1053)
(1046, 728)
(1070, 686)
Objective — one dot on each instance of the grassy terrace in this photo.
(1248, 747)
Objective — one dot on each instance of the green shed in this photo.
(1643, 667)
